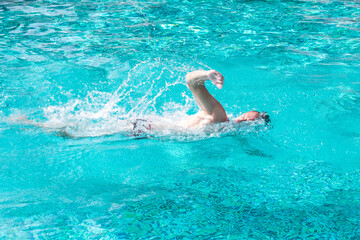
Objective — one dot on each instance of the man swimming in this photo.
(212, 111)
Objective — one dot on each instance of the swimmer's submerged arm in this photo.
(195, 80)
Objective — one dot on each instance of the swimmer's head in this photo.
(253, 116)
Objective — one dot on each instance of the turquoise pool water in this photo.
(85, 65)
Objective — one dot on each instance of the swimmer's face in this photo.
(252, 116)
(249, 116)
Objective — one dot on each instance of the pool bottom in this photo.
(206, 199)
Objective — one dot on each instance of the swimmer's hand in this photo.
(216, 78)
(198, 77)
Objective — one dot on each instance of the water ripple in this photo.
(267, 30)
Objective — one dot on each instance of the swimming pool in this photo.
(85, 65)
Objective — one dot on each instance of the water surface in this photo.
(86, 65)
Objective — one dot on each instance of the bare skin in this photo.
(211, 110)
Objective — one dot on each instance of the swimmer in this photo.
(212, 111)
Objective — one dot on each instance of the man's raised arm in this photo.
(204, 99)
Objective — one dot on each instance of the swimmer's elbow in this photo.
(219, 115)
(221, 119)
